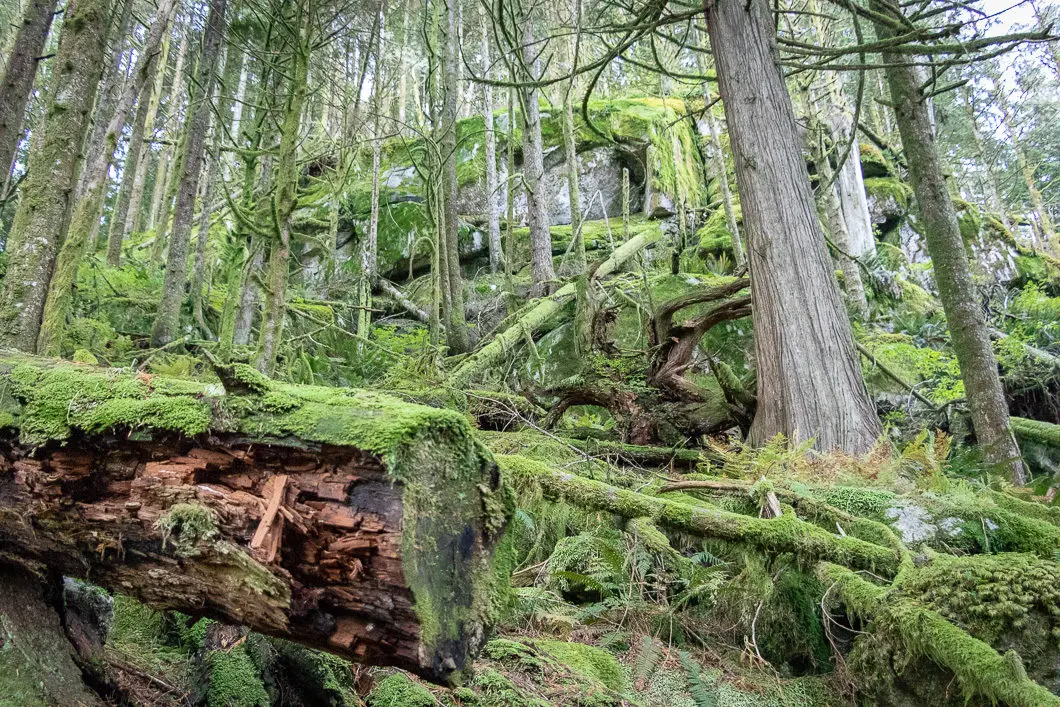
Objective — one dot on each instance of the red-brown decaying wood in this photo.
(314, 555)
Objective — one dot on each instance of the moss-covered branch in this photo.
(777, 535)
(979, 668)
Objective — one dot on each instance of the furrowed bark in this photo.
(809, 380)
(358, 524)
(18, 78)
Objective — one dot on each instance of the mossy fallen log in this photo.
(1036, 431)
(786, 534)
(344, 520)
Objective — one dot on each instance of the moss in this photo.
(885, 188)
(234, 680)
(85, 356)
(590, 661)
(1036, 431)
(187, 525)
(398, 690)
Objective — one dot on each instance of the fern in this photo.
(700, 687)
(648, 656)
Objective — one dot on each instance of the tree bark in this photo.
(809, 379)
(541, 271)
(964, 315)
(134, 218)
(44, 205)
(87, 208)
(285, 198)
(157, 217)
(456, 326)
(107, 97)
(18, 77)
(493, 204)
(176, 277)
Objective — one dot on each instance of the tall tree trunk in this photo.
(17, 83)
(109, 89)
(285, 196)
(44, 206)
(809, 379)
(168, 124)
(134, 219)
(964, 314)
(176, 276)
(370, 247)
(456, 326)
(116, 229)
(541, 272)
(493, 214)
(86, 211)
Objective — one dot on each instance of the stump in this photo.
(344, 520)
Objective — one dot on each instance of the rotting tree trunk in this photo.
(44, 204)
(176, 277)
(964, 315)
(809, 379)
(361, 525)
(17, 83)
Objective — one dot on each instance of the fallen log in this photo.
(786, 534)
(345, 520)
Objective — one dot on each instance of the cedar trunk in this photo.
(809, 380)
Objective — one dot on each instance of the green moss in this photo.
(889, 188)
(590, 661)
(398, 690)
(187, 525)
(914, 364)
(234, 680)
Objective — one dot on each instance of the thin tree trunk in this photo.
(809, 379)
(370, 246)
(176, 276)
(165, 160)
(403, 63)
(17, 83)
(541, 272)
(964, 314)
(86, 211)
(285, 198)
(134, 219)
(116, 229)
(43, 209)
(198, 269)
(456, 326)
(107, 97)
(493, 215)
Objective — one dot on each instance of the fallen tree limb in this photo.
(547, 307)
(980, 669)
(774, 536)
(344, 520)
(1036, 431)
